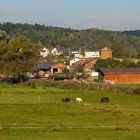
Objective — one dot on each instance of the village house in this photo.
(89, 65)
(105, 53)
(120, 75)
(94, 54)
(86, 64)
(44, 52)
(76, 53)
(74, 60)
(56, 52)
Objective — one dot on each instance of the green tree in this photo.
(17, 57)
(111, 63)
(3, 35)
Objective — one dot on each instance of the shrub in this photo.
(136, 91)
(81, 85)
(32, 84)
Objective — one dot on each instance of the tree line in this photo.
(19, 54)
(112, 63)
(122, 45)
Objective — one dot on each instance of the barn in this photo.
(120, 75)
(50, 68)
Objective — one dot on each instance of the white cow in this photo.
(79, 100)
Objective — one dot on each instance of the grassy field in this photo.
(39, 114)
(129, 85)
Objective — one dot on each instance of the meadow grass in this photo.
(39, 114)
(129, 85)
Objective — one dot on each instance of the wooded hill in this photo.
(131, 32)
(123, 45)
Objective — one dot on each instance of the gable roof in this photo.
(83, 61)
(120, 70)
(45, 66)
(59, 65)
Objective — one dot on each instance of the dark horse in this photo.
(65, 100)
(104, 100)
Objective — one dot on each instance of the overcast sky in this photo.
(77, 14)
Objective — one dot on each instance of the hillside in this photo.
(135, 32)
(64, 38)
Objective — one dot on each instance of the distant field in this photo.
(39, 114)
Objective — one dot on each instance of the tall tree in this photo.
(17, 57)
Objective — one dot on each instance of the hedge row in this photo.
(82, 85)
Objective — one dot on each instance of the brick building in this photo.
(106, 53)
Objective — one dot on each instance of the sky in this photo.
(77, 14)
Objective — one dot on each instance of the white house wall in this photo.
(74, 61)
(92, 54)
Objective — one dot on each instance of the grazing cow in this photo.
(104, 100)
(79, 100)
(66, 100)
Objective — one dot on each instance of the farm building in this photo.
(120, 75)
(50, 68)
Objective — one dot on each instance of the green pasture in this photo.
(129, 85)
(40, 114)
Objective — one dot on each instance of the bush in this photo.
(136, 91)
(32, 84)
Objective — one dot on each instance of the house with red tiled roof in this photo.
(86, 64)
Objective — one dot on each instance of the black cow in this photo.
(105, 100)
(66, 100)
